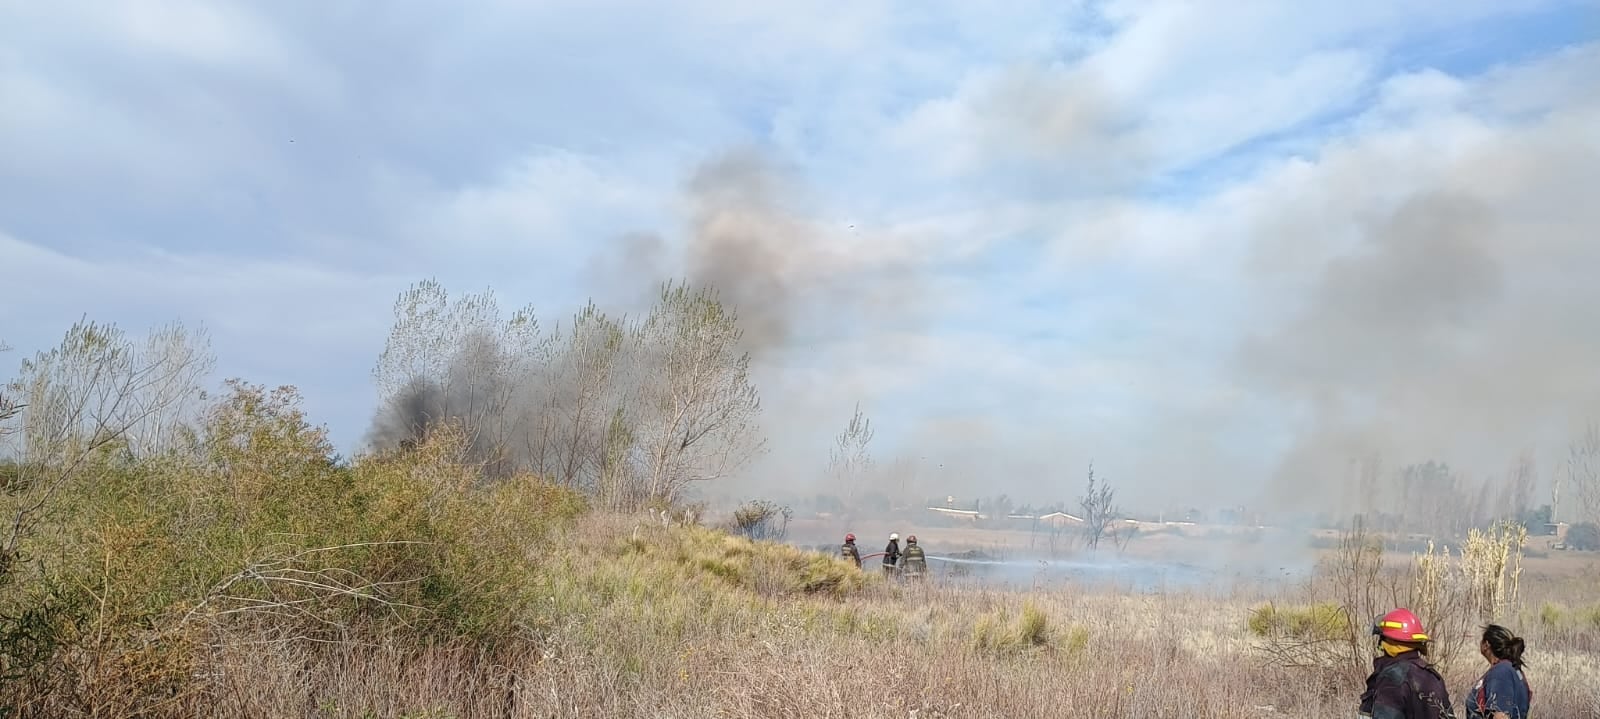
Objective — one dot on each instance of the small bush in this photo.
(1551, 615)
(31, 638)
(1077, 641)
(827, 575)
(992, 634)
(988, 633)
(1590, 617)
(1033, 628)
(1318, 622)
(762, 519)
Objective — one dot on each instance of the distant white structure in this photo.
(1059, 519)
(962, 513)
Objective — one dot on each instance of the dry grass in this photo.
(640, 620)
(276, 584)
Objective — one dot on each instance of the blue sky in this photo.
(1113, 229)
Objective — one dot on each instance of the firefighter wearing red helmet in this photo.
(1403, 684)
(913, 563)
(848, 549)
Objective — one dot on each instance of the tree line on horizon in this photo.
(630, 410)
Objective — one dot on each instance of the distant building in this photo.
(1059, 519)
(969, 514)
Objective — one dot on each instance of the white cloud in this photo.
(270, 322)
(549, 203)
(998, 157)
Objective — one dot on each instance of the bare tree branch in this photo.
(95, 392)
(294, 591)
(629, 411)
(1098, 510)
(9, 408)
(849, 461)
(1583, 473)
(698, 382)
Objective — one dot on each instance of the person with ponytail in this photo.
(1503, 691)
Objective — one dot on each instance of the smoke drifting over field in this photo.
(1420, 291)
(1455, 324)
(755, 232)
(747, 239)
(745, 243)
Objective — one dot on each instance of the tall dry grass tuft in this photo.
(1438, 600)
(1492, 562)
(1456, 595)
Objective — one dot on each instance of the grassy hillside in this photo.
(250, 574)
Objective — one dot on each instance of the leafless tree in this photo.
(1440, 503)
(1583, 473)
(1055, 531)
(9, 407)
(762, 519)
(457, 361)
(1099, 511)
(95, 393)
(1122, 534)
(700, 407)
(586, 438)
(849, 461)
(579, 389)
(629, 411)
(1516, 495)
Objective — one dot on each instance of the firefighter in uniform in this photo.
(848, 550)
(913, 564)
(891, 554)
(1403, 684)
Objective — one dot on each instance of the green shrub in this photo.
(1077, 641)
(1318, 622)
(1551, 615)
(993, 634)
(1033, 628)
(1590, 617)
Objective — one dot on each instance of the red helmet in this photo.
(911, 539)
(1400, 625)
(849, 537)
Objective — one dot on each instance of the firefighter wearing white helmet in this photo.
(891, 554)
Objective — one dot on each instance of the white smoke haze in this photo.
(1427, 289)
(1417, 291)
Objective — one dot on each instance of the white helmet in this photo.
(894, 536)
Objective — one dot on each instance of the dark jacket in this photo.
(1503, 688)
(891, 553)
(1405, 687)
(914, 561)
(848, 551)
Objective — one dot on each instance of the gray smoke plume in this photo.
(1458, 326)
(625, 277)
(747, 239)
(746, 243)
(476, 390)
(753, 233)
